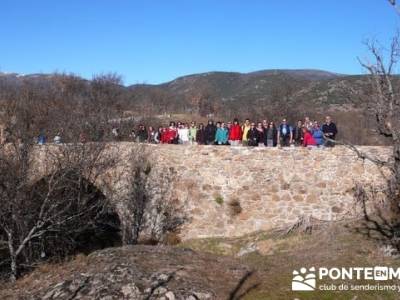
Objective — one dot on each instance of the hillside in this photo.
(271, 94)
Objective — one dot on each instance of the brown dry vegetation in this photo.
(277, 255)
(67, 103)
(275, 258)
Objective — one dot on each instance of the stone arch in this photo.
(104, 230)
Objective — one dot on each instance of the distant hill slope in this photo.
(257, 88)
(271, 94)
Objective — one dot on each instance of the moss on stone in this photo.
(219, 199)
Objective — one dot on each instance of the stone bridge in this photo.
(232, 191)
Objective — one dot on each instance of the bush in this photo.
(219, 199)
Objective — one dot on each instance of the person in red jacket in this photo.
(308, 140)
(164, 136)
(171, 134)
(235, 133)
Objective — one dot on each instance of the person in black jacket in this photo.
(330, 131)
(142, 134)
(271, 135)
(210, 131)
(200, 135)
(253, 136)
(298, 133)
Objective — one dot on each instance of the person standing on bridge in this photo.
(318, 135)
(151, 135)
(221, 136)
(172, 134)
(308, 140)
(192, 133)
(308, 124)
(158, 135)
(41, 139)
(330, 131)
(115, 133)
(265, 124)
(253, 136)
(210, 131)
(142, 135)
(164, 136)
(285, 134)
(260, 131)
(245, 128)
(298, 133)
(183, 133)
(271, 135)
(57, 139)
(200, 135)
(235, 133)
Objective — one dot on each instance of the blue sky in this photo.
(155, 41)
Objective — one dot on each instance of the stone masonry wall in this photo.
(231, 191)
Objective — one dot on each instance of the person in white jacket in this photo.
(183, 133)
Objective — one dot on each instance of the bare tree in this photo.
(395, 5)
(49, 215)
(384, 104)
(385, 101)
(151, 211)
(61, 104)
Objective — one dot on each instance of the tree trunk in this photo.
(13, 257)
(395, 185)
(14, 268)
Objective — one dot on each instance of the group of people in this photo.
(305, 133)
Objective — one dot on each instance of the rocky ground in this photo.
(274, 256)
(137, 272)
(256, 266)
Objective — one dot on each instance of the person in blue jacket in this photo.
(41, 139)
(318, 134)
(221, 135)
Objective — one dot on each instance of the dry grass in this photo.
(46, 272)
(274, 261)
(334, 246)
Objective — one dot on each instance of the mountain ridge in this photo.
(312, 74)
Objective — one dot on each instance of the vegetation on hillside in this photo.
(55, 101)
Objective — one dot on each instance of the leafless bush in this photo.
(380, 216)
(47, 217)
(152, 212)
(61, 104)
